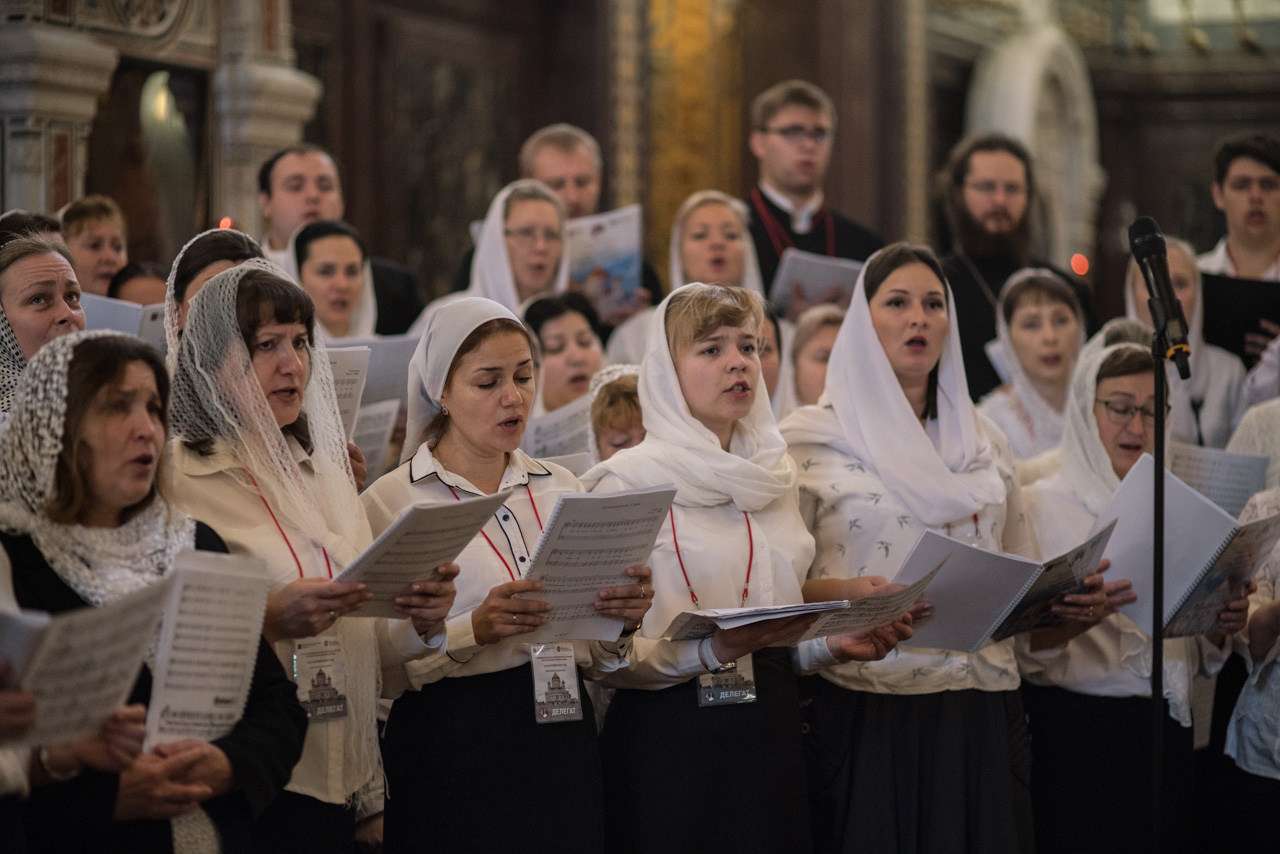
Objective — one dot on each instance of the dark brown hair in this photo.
(1126, 362)
(498, 326)
(1047, 286)
(890, 259)
(97, 366)
(222, 245)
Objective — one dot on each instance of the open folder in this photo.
(1207, 556)
(424, 537)
(982, 596)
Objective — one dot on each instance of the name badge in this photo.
(555, 683)
(320, 673)
(728, 688)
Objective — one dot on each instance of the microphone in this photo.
(1147, 244)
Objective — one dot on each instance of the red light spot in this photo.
(227, 222)
(1079, 264)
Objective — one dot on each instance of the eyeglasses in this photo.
(989, 188)
(795, 133)
(1244, 183)
(529, 235)
(1121, 414)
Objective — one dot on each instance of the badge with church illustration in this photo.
(729, 688)
(555, 683)
(321, 678)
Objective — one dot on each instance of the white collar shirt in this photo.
(801, 217)
(512, 534)
(1217, 261)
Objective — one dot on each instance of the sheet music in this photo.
(1195, 528)
(589, 542)
(424, 537)
(869, 612)
(816, 274)
(605, 257)
(1228, 480)
(350, 366)
(693, 625)
(388, 374)
(84, 664)
(374, 425)
(1223, 581)
(970, 597)
(561, 432)
(145, 321)
(208, 647)
(1064, 574)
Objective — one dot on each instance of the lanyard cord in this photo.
(778, 235)
(751, 556)
(536, 515)
(298, 563)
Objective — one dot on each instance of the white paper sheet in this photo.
(589, 542)
(424, 537)
(1228, 480)
(870, 612)
(816, 274)
(388, 375)
(84, 662)
(208, 647)
(693, 625)
(375, 423)
(1198, 613)
(560, 433)
(350, 366)
(605, 257)
(145, 321)
(1195, 528)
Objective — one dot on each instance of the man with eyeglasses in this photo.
(987, 189)
(301, 184)
(793, 124)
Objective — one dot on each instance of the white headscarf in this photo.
(603, 377)
(172, 332)
(365, 317)
(1047, 420)
(1086, 467)
(875, 424)
(750, 266)
(99, 564)
(753, 473)
(1182, 417)
(217, 395)
(447, 328)
(491, 276)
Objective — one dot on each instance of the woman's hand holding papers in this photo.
(501, 615)
(629, 602)
(429, 603)
(1235, 615)
(308, 606)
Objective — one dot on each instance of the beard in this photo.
(973, 239)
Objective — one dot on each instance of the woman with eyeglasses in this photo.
(1087, 696)
(520, 253)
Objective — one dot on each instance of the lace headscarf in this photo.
(99, 564)
(217, 395)
(12, 364)
(602, 378)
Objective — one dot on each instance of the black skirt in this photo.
(943, 773)
(725, 778)
(1091, 774)
(469, 769)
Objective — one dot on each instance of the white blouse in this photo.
(1113, 658)
(863, 529)
(714, 549)
(208, 489)
(1253, 735)
(1259, 434)
(1027, 438)
(485, 563)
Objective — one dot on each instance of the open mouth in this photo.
(1132, 447)
(739, 388)
(511, 425)
(286, 395)
(917, 344)
(580, 380)
(1051, 361)
(144, 460)
(340, 304)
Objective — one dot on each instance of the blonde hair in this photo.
(799, 93)
(813, 319)
(617, 405)
(697, 310)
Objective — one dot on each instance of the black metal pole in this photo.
(1157, 601)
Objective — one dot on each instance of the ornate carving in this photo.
(145, 16)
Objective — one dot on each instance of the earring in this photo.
(444, 410)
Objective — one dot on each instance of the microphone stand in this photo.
(1160, 349)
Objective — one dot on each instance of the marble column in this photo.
(50, 81)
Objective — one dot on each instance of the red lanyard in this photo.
(536, 515)
(297, 562)
(751, 556)
(778, 235)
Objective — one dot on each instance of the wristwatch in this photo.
(709, 660)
